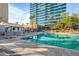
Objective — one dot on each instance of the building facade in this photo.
(4, 11)
(43, 12)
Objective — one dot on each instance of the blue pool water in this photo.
(65, 41)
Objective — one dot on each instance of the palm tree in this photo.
(51, 17)
(32, 17)
(75, 19)
(67, 21)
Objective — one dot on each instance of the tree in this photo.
(51, 17)
(75, 17)
(32, 17)
(57, 24)
(61, 24)
(66, 22)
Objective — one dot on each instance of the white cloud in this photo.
(18, 15)
(15, 10)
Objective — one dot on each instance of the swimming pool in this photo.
(65, 41)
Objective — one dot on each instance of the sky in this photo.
(19, 12)
(73, 8)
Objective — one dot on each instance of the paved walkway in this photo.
(22, 48)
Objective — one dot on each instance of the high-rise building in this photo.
(44, 11)
(4, 11)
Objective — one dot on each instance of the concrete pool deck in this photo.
(17, 47)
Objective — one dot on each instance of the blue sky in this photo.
(19, 12)
(73, 8)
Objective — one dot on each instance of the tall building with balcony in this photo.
(4, 11)
(43, 11)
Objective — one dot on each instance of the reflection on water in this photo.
(66, 41)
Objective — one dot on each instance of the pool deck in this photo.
(25, 35)
(17, 47)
